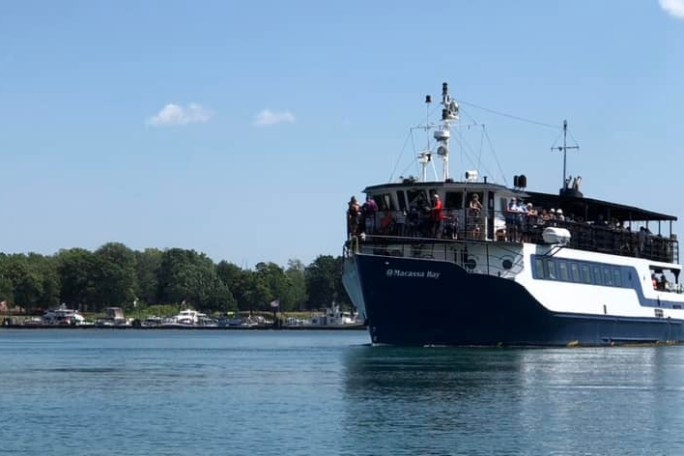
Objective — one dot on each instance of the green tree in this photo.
(27, 285)
(46, 267)
(242, 284)
(297, 296)
(6, 287)
(324, 282)
(275, 283)
(188, 277)
(148, 267)
(77, 268)
(114, 278)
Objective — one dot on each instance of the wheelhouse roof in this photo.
(571, 203)
(455, 186)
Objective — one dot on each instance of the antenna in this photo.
(565, 148)
(442, 133)
(424, 158)
(428, 102)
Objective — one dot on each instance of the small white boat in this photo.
(62, 316)
(335, 317)
(189, 318)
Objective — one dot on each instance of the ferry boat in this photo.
(463, 262)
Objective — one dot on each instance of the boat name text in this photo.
(412, 274)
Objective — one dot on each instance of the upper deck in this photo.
(406, 213)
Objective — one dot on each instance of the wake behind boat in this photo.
(472, 262)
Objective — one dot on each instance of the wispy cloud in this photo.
(673, 7)
(267, 118)
(176, 115)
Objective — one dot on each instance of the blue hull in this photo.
(425, 302)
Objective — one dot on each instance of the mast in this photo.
(443, 132)
(565, 148)
(425, 157)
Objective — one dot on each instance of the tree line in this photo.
(116, 276)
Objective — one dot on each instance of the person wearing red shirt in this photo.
(436, 214)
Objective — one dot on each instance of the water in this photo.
(108, 392)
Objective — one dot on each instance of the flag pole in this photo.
(275, 305)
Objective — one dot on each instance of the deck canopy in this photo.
(591, 209)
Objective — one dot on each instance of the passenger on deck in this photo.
(450, 226)
(511, 214)
(400, 223)
(662, 283)
(512, 206)
(353, 214)
(521, 219)
(543, 217)
(531, 221)
(475, 204)
(515, 219)
(413, 221)
(436, 216)
(368, 211)
(552, 217)
(387, 223)
(474, 210)
(559, 215)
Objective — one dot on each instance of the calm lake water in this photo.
(108, 392)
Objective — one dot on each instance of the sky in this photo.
(241, 129)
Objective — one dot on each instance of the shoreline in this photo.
(191, 328)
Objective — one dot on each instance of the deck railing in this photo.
(515, 228)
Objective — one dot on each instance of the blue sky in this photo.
(241, 129)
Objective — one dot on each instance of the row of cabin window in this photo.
(578, 272)
(452, 200)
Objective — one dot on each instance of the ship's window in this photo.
(384, 202)
(617, 277)
(416, 198)
(575, 273)
(503, 204)
(401, 197)
(453, 200)
(607, 279)
(597, 275)
(539, 268)
(586, 273)
(551, 269)
(563, 271)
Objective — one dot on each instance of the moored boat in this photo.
(335, 317)
(473, 262)
(62, 316)
(189, 318)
